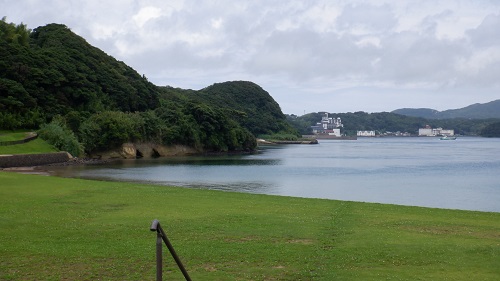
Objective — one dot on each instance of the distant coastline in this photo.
(328, 137)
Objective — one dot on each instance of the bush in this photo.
(59, 135)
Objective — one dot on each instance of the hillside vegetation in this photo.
(54, 71)
(475, 111)
(491, 131)
(391, 122)
(51, 75)
(247, 102)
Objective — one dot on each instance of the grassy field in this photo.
(12, 135)
(72, 229)
(35, 146)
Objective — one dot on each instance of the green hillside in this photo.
(474, 111)
(51, 75)
(250, 104)
(491, 131)
(418, 112)
(55, 71)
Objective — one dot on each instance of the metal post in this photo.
(159, 257)
(174, 254)
(161, 235)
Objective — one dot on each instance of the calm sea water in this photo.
(461, 174)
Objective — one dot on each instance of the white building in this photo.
(328, 125)
(425, 132)
(446, 132)
(366, 133)
(333, 132)
(430, 132)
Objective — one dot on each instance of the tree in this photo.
(491, 131)
(12, 33)
(110, 129)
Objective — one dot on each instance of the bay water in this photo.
(415, 171)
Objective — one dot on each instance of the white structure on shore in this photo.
(430, 132)
(328, 126)
(366, 133)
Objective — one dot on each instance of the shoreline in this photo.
(41, 169)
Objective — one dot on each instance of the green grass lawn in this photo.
(12, 136)
(72, 229)
(35, 146)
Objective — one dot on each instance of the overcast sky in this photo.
(335, 56)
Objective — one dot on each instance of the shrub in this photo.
(59, 135)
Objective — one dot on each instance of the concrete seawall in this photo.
(25, 160)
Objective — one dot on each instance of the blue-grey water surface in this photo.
(461, 174)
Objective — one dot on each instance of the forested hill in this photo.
(474, 111)
(51, 75)
(54, 71)
(250, 104)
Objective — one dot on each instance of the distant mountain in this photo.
(474, 111)
(426, 113)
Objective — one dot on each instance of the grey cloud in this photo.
(313, 48)
(487, 33)
(411, 58)
(368, 17)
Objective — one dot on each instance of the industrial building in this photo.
(328, 126)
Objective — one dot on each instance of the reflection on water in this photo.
(427, 172)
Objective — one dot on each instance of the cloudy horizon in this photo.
(311, 56)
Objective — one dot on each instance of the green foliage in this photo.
(110, 129)
(12, 33)
(16, 120)
(219, 133)
(59, 135)
(180, 128)
(491, 131)
(58, 72)
(51, 71)
(153, 128)
(463, 126)
(203, 127)
(248, 104)
(196, 125)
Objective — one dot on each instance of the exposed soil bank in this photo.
(144, 150)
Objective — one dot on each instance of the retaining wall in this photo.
(27, 160)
